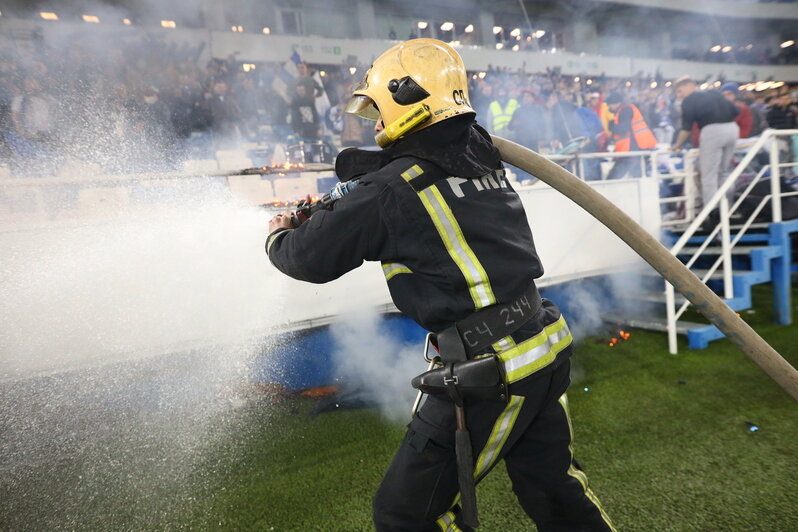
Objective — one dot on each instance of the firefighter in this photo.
(435, 208)
(630, 133)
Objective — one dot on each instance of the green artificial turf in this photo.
(665, 440)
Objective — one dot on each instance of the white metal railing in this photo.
(649, 159)
(768, 139)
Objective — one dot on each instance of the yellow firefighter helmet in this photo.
(411, 86)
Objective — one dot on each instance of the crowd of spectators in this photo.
(148, 105)
(547, 110)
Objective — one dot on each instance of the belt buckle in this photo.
(427, 343)
(432, 361)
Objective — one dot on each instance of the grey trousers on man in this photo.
(717, 147)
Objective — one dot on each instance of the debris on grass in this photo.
(751, 427)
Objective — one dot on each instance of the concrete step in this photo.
(650, 272)
(653, 296)
(656, 297)
(651, 323)
(699, 335)
(734, 226)
(755, 225)
(717, 250)
(718, 274)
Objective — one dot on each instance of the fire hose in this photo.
(671, 268)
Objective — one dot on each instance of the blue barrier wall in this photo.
(304, 359)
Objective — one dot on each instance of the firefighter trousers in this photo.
(531, 433)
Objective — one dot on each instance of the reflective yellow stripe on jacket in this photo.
(537, 352)
(454, 241)
(391, 269)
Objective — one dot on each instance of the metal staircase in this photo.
(731, 259)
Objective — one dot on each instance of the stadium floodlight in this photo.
(267, 30)
(126, 21)
(576, 79)
(482, 75)
(653, 85)
(726, 49)
(516, 32)
(786, 44)
(715, 48)
(352, 70)
(516, 48)
(540, 33)
(91, 18)
(589, 82)
(497, 30)
(469, 28)
(499, 45)
(46, 15)
(447, 26)
(422, 25)
(171, 24)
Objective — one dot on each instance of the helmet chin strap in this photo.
(403, 125)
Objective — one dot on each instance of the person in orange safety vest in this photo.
(630, 133)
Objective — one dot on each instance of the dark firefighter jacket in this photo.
(436, 209)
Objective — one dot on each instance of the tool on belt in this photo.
(462, 377)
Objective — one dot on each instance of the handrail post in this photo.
(728, 286)
(670, 306)
(775, 179)
(690, 185)
(654, 163)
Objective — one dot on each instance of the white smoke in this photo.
(372, 362)
(587, 304)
